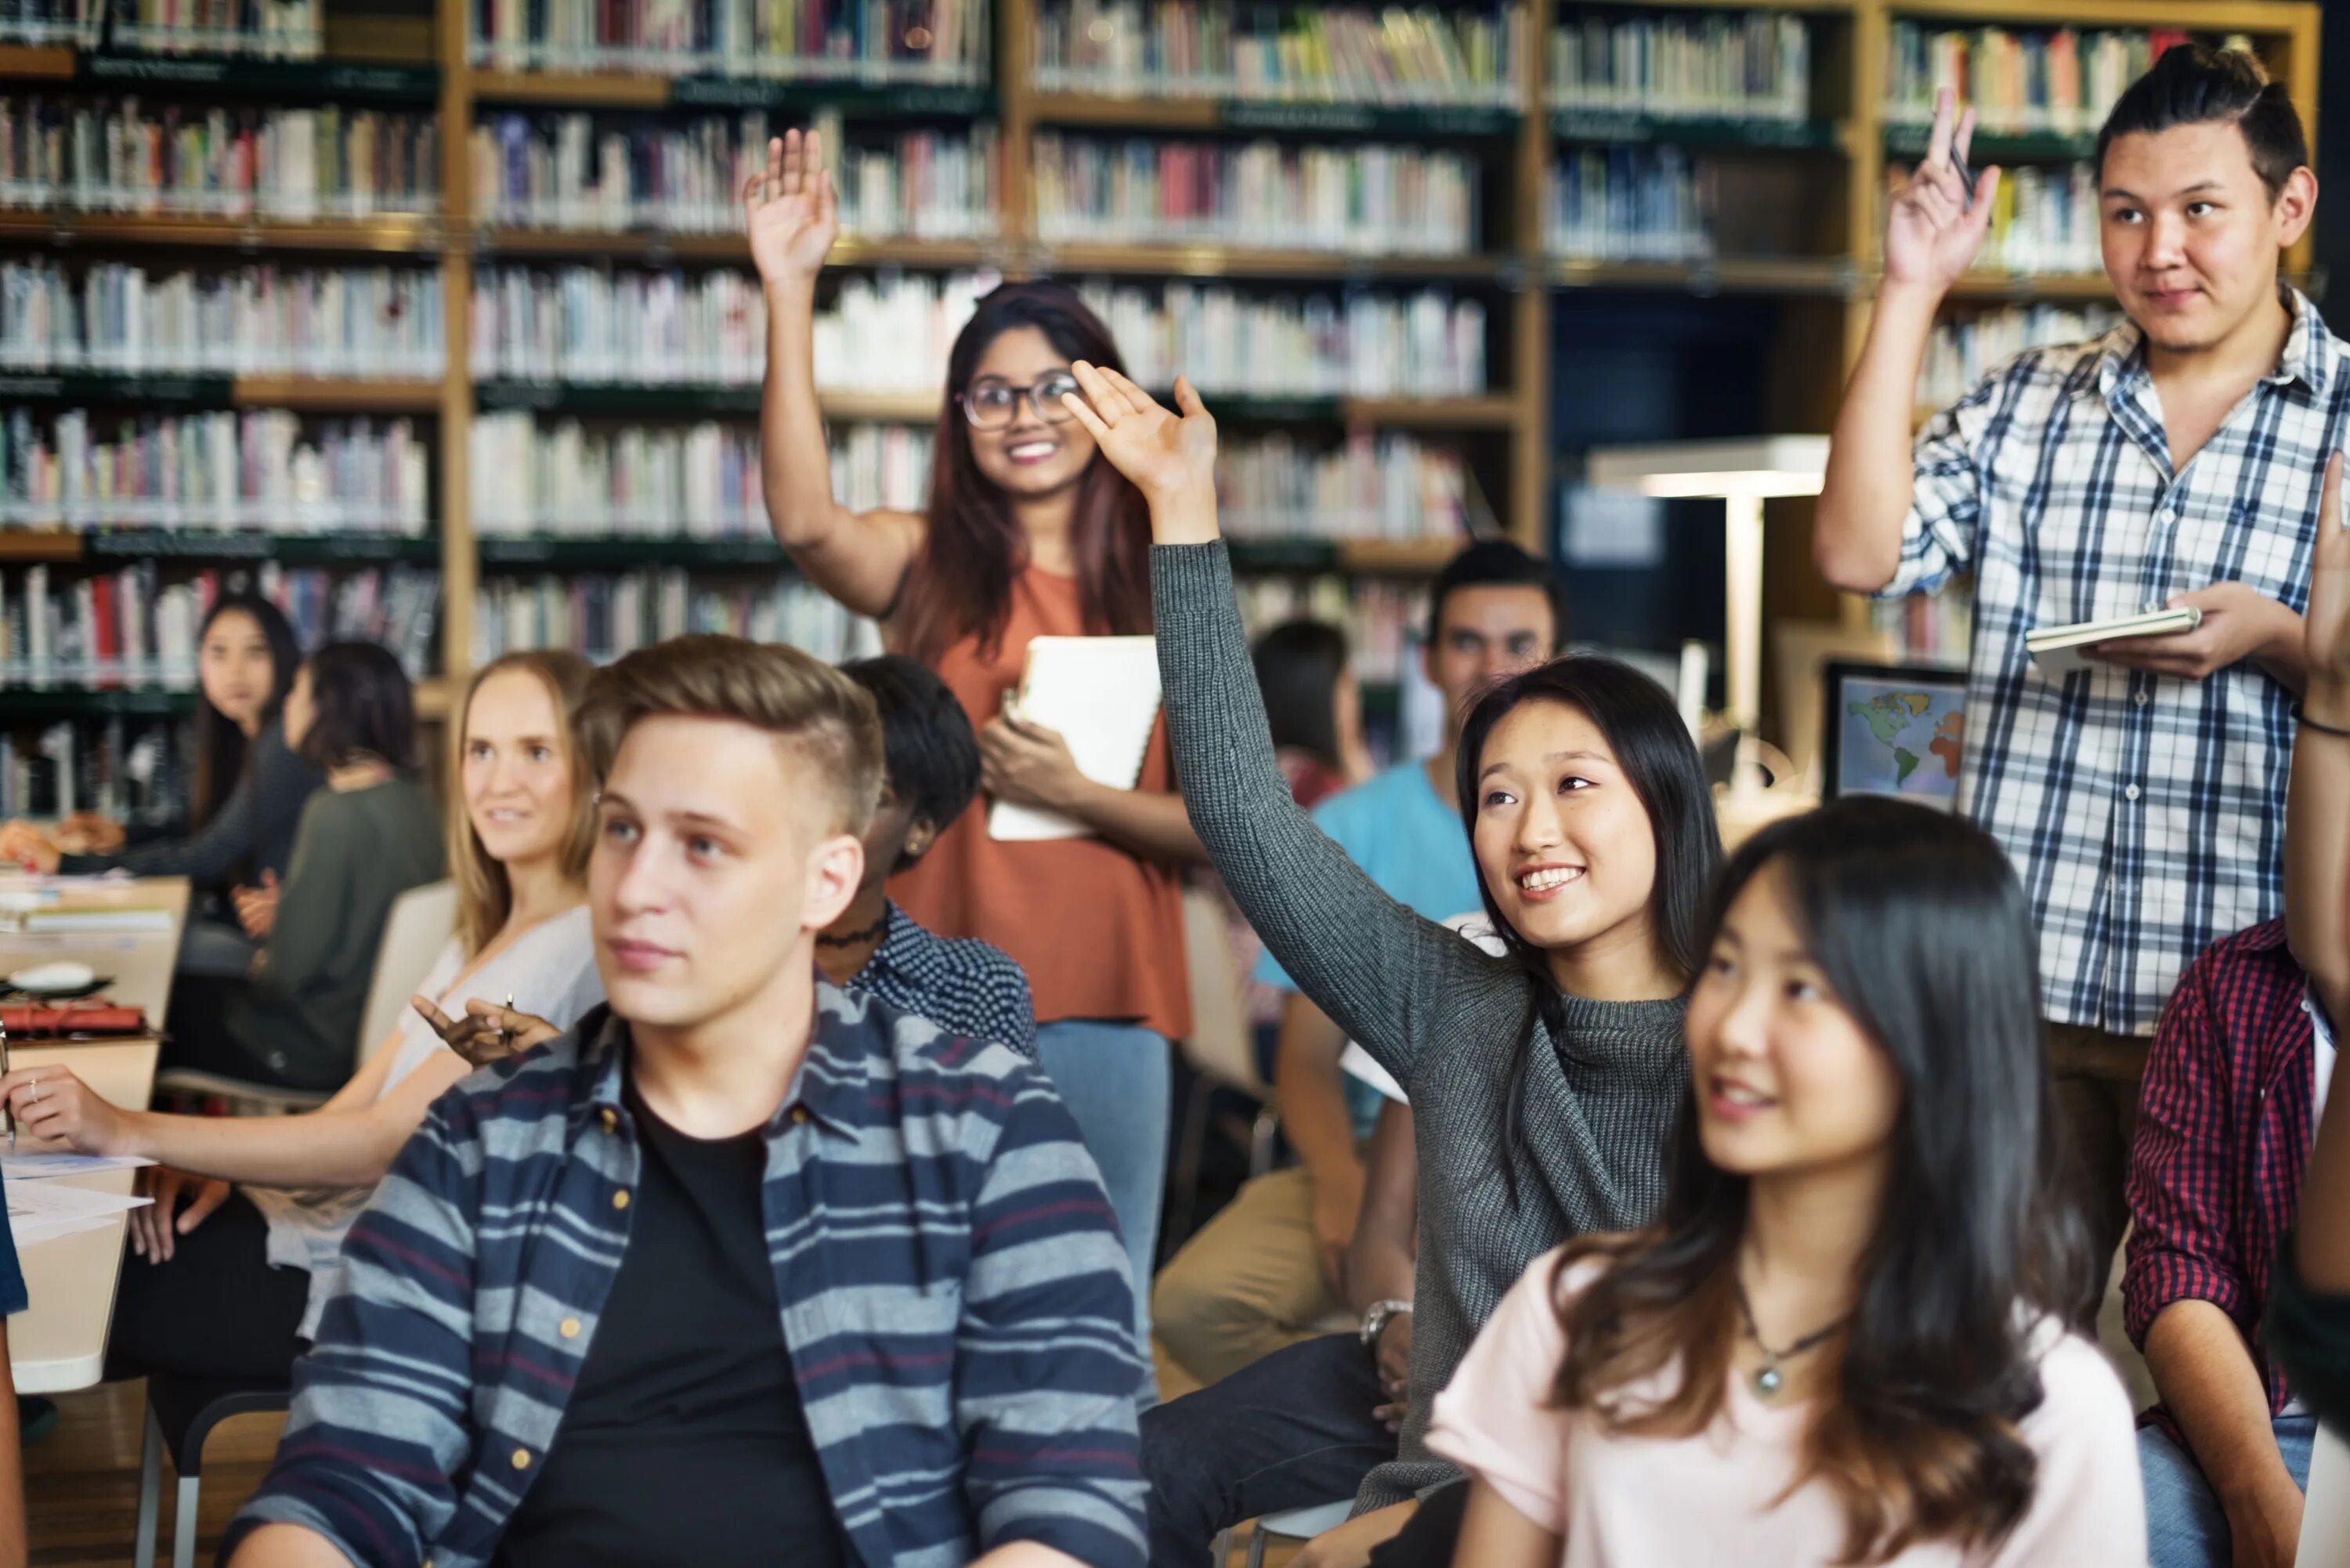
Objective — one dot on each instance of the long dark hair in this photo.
(1918, 923)
(960, 583)
(362, 706)
(220, 745)
(1643, 728)
(1299, 666)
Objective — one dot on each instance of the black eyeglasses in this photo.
(991, 405)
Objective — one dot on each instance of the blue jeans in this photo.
(1117, 1080)
(2184, 1525)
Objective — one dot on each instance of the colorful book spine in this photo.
(124, 319)
(2059, 81)
(1387, 486)
(1961, 353)
(1636, 203)
(1426, 344)
(1757, 66)
(1350, 201)
(2044, 221)
(584, 171)
(223, 470)
(605, 616)
(1462, 56)
(875, 43)
(263, 29)
(1380, 617)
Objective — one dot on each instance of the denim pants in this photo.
(2185, 1527)
(1117, 1080)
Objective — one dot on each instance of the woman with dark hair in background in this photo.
(1314, 709)
(1541, 1082)
(292, 1020)
(1026, 533)
(246, 789)
(1845, 1340)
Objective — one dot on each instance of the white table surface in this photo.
(59, 1342)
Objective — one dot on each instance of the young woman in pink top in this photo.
(1844, 1341)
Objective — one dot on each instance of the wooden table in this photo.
(59, 1342)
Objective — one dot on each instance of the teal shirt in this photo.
(1412, 845)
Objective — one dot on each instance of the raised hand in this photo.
(1171, 459)
(2325, 628)
(792, 211)
(1932, 233)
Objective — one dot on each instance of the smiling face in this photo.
(1787, 1082)
(2191, 235)
(712, 871)
(516, 772)
(1562, 838)
(1033, 454)
(1484, 634)
(235, 668)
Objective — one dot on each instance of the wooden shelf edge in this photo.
(36, 61)
(1830, 276)
(1219, 260)
(1491, 411)
(650, 244)
(2259, 17)
(589, 89)
(409, 235)
(435, 695)
(1397, 557)
(339, 396)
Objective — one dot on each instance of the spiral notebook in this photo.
(1101, 694)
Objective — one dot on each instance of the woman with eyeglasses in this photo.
(1028, 533)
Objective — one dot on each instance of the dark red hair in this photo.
(960, 583)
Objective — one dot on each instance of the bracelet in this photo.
(2301, 716)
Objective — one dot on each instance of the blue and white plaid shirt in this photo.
(2145, 814)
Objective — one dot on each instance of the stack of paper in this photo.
(41, 1212)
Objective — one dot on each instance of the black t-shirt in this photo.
(685, 1441)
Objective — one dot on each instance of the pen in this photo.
(506, 1035)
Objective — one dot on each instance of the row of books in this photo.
(1426, 344)
(584, 325)
(597, 172)
(2060, 80)
(605, 616)
(1380, 617)
(135, 155)
(1386, 486)
(2044, 220)
(1643, 203)
(1354, 199)
(252, 468)
(1211, 49)
(564, 479)
(257, 319)
(1962, 352)
(1937, 628)
(128, 628)
(268, 29)
(876, 42)
(135, 772)
(1753, 67)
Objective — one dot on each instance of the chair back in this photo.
(1222, 1045)
(420, 923)
(2326, 1516)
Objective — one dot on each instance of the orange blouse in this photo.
(1099, 929)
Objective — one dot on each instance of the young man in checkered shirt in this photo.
(2176, 461)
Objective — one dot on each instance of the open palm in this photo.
(792, 211)
(2326, 627)
(1166, 455)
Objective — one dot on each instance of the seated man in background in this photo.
(745, 1269)
(2235, 1084)
(1265, 1272)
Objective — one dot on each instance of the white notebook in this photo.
(1101, 694)
(2056, 650)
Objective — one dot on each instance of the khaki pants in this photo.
(2097, 1079)
(1249, 1283)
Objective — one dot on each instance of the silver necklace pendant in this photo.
(1769, 1380)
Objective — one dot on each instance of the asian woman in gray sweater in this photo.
(1544, 1083)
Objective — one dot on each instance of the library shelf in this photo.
(1366, 558)
(239, 76)
(623, 552)
(1825, 275)
(1270, 116)
(1990, 147)
(390, 234)
(614, 90)
(581, 399)
(39, 703)
(205, 546)
(2257, 18)
(198, 390)
(1490, 411)
(1211, 259)
(1613, 127)
(2027, 286)
(653, 246)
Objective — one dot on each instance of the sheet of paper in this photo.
(37, 1167)
(44, 1210)
(1101, 694)
(98, 921)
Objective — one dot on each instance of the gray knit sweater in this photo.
(1445, 1018)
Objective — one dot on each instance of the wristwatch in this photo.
(1375, 1321)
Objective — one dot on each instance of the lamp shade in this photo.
(1759, 466)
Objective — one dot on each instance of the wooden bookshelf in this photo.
(1826, 276)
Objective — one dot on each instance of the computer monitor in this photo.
(1892, 729)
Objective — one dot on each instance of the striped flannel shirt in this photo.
(2145, 814)
(2222, 1141)
(954, 1301)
